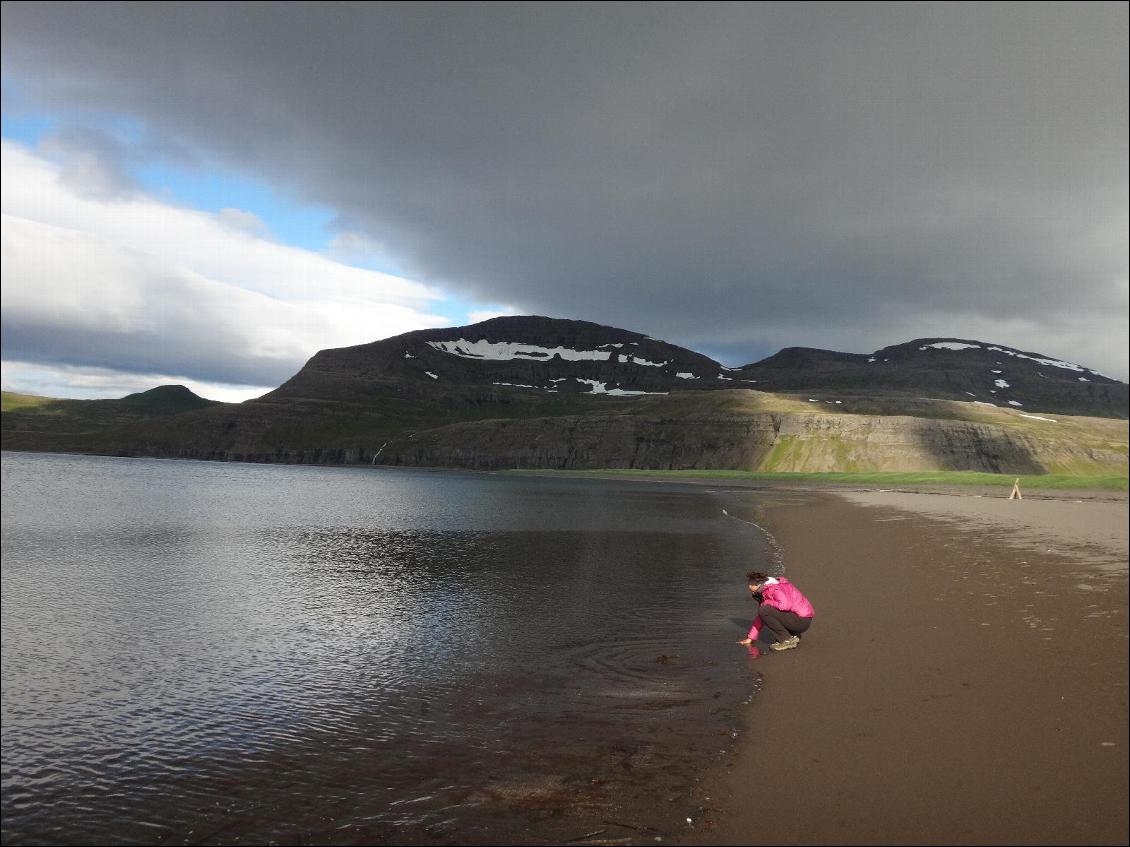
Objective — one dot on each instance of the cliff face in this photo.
(762, 442)
(544, 393)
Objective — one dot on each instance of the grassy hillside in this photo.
(48, 423)
(10, 401)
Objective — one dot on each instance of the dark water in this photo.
(225, 653)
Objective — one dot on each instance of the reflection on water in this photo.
(212, 653)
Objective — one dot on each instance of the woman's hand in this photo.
(745, 642)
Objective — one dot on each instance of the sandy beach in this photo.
(965, 680)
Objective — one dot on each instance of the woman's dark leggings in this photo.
(783, 624)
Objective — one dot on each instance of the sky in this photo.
(208, 194)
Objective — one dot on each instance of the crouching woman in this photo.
(784, 610)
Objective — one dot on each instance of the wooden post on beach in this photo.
(1016, 495)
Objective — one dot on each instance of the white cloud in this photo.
(127, 283)
(243, 221)
(349, 246)
(473, 317)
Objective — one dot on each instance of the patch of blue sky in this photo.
(204, 186)
(210, 188)
(27, 128)
(457, 309)
(31, 127)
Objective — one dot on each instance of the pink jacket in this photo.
(784, 596)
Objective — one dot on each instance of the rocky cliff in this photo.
(541, 392)
(767, 441)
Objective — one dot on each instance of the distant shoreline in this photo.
(1042, 486)
(965, 483)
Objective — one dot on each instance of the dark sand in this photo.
(965, 680)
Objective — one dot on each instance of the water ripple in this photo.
(216, 653)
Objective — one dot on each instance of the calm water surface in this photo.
(226, 653)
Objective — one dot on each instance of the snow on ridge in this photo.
(1015, 403)
(685, 375)
(1037, 418)
(951, 345)
(1055, 363)
(636, 360)
(432, 375)
(599, 387)
(1016, 354)
(1000, 383)
(504, 351)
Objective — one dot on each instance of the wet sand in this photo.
(965, 680)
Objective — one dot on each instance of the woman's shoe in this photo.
(787, 644)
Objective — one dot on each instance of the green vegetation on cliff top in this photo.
(10, 401)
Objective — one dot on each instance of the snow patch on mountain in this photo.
(950, 345)
(602, 388)
(504, 351)
(636, 360)
(1055, 363)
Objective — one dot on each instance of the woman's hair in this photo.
(756, 576)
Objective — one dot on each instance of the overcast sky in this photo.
(210, 193)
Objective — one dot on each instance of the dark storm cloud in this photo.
(732, 177)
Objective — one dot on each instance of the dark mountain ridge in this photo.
(598, 394)
(552, 355)
(952, 369)
(577, 357)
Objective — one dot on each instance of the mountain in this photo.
(542, 392)
(951, 368)
(47, 423)
(545, 354)
(577, 357)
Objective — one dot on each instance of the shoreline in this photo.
(964, 682)
(996, 491)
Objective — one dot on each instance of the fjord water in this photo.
(226, 653)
